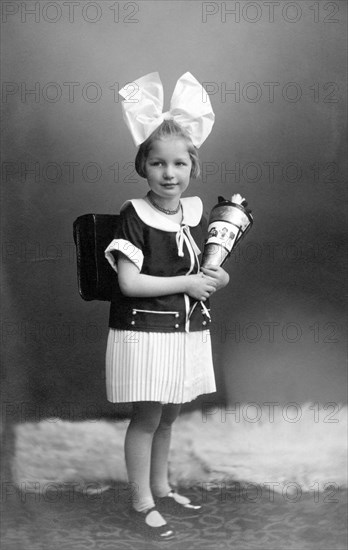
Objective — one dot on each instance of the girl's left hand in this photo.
(220, 276)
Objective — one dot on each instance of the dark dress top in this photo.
(162, 248)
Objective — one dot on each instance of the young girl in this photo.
(158, 352)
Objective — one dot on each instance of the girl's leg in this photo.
(161, 489)
(144, 423)
(160, 451)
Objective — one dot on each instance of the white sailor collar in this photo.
(192, 208)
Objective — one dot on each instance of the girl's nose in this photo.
(168, 173)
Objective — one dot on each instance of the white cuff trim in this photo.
(133, 253)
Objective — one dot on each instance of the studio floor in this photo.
(63, 486)
(63, 519)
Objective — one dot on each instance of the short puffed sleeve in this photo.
(129, 239)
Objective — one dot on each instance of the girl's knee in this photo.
(169, 414)
(146, 416)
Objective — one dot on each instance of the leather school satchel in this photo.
(92, 234)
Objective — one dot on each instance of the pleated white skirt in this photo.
(172, 367)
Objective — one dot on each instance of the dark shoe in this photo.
(164, 532)
(168, 505)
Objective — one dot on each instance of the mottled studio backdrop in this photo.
(275, 74)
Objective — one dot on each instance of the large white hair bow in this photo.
(190, 107)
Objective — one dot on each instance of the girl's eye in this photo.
(159, 163)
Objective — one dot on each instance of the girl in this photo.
(158, 352)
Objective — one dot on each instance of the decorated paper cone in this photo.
(228, 223)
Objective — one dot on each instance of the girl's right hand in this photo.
(200, 287)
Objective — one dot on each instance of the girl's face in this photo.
(168, 168)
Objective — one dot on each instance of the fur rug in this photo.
(303, 447)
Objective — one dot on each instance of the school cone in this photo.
(229, 222)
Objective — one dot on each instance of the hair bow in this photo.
(190, 107)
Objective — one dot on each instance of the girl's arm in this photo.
(135, 284)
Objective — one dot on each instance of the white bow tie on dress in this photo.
(182, 235)
(190, 107)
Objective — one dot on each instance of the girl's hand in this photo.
(138, 285)
(200, 287)
(219, 275)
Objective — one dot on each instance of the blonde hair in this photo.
(168, 128)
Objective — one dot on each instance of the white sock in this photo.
(143, 504)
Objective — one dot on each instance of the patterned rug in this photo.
(234, 520)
